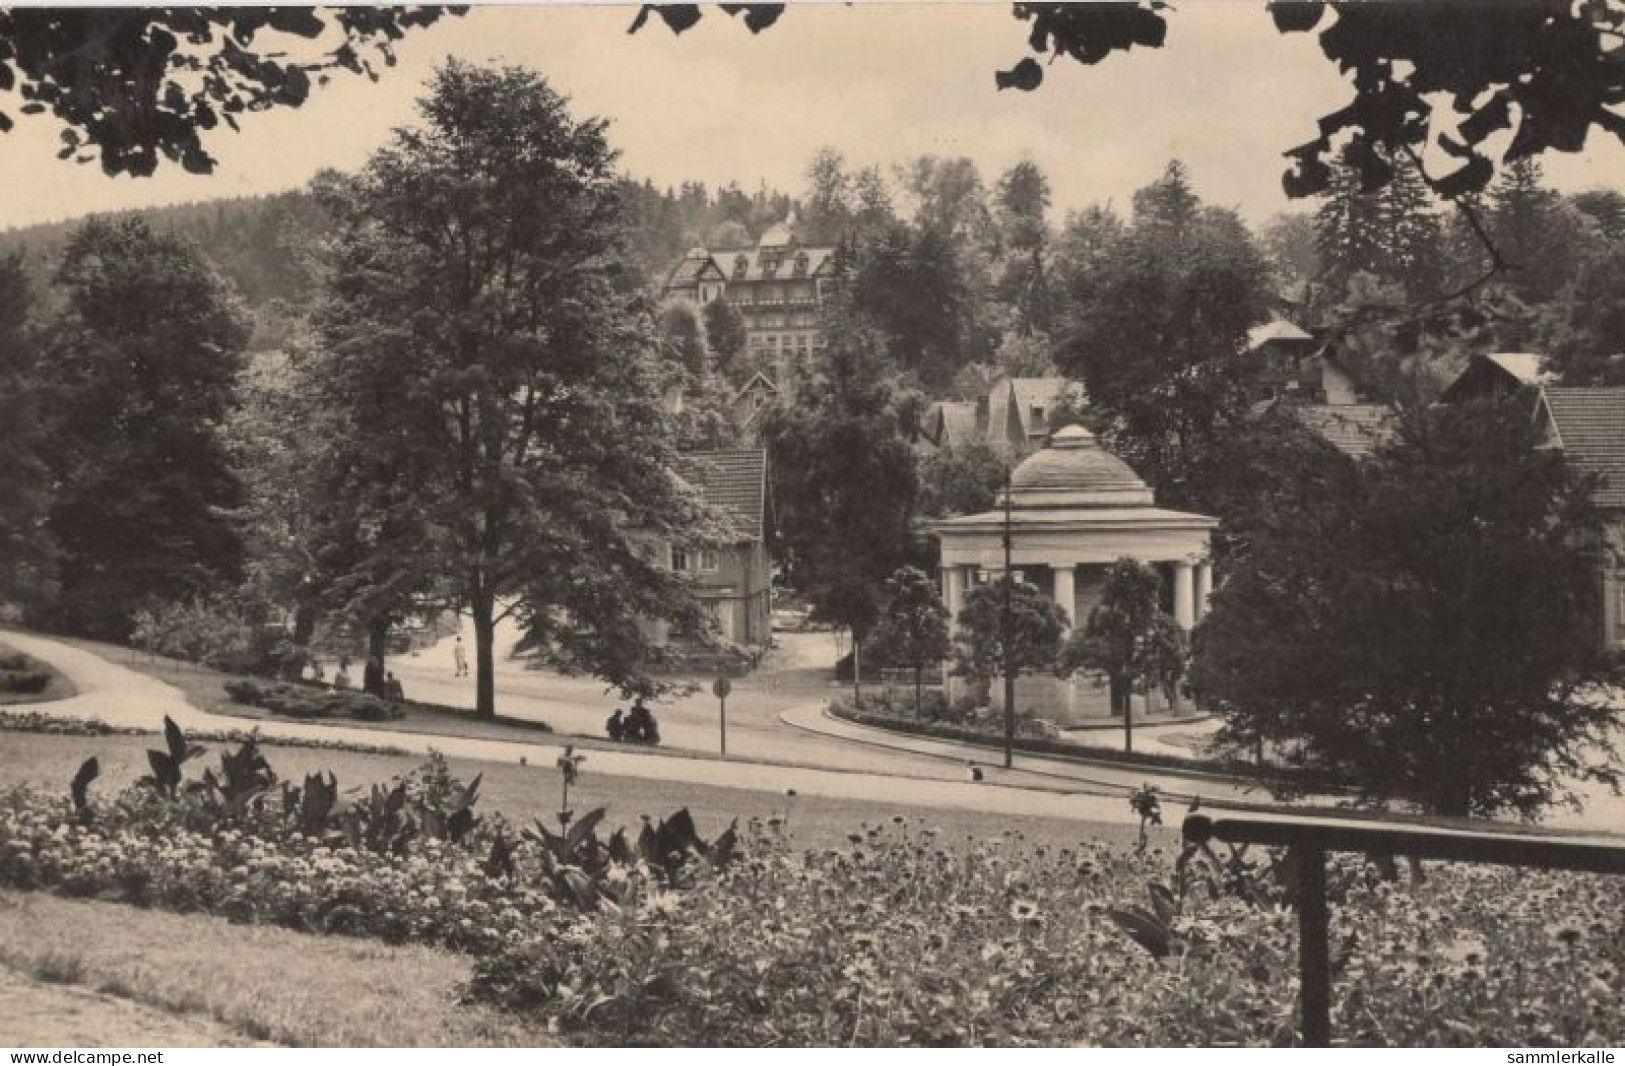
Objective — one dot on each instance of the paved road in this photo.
(773, 715)
(120, 696)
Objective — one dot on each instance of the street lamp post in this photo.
(1009, 657)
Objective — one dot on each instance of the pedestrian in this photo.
(615, 727)
(341, 678)
(392, 689)
(460, 658)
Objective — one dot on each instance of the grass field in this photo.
(525, 792)
(58, 688)
(268, 984)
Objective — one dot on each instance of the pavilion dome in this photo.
(1073, 470)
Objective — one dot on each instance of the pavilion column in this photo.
(1204, 588)
(1066, 590)
(1184, 595)
(953, 591)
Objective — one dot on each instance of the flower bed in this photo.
(898, 938)
(36, 722)
(409, 862)
(308, 701)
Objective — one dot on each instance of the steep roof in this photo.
(1355, 429)
(818, 259)
(1037, 392)
(1276, 329)
(1590, 425)
(958, 422)
(733, 482)
(1524, 366)
(691, 268)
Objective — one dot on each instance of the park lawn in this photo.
(525, 792)
(267, 983)
(58, 688)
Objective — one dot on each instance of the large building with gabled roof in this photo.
(778, 286)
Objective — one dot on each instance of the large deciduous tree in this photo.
(844, 479)
(1422, 626)
(488, 345)
(26, 555)
(1154, 318)
(139, 372)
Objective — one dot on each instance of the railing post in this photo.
(1314, 955)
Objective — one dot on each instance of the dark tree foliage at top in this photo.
(1548, 70)
(133, 86)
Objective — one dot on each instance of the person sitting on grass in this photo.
(615, 726)
(641, 727)
(392, 689)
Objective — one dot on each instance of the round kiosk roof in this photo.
(1073, 470)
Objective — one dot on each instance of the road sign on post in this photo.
(721, 687)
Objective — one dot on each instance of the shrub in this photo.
(15, 661)
(24, 682)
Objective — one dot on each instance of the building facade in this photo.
(778, 287)
(731, 578)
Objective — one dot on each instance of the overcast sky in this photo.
(879, 82)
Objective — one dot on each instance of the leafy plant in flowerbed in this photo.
(305, 701)
(408, 861)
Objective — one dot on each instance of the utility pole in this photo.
(1009, 658)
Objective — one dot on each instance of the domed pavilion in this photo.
(1074, 510)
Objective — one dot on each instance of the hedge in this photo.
(1092, 753)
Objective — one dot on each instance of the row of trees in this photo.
(471, 416)
(1008, 625)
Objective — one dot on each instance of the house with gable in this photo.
(732, 578)
(1587, 423)
(1012, 416)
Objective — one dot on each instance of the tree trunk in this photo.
(919, 687)
(304, 630)
(372, 674)
(857, 681)
(1123, 696)
(483, 611)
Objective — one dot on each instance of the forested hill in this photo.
(263, 244)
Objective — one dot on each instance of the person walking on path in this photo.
(459, 658)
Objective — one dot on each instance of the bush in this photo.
(15, 661)
(1036, 737)
(297, 700)
(24, 682)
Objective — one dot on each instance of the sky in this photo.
(880, 82)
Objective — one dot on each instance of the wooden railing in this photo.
(1311, 838)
